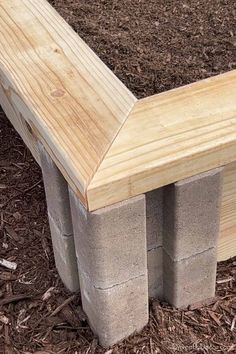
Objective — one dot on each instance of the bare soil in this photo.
(34, 317)
(157, 45)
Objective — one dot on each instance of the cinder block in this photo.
(190, 280)
(192, 214)
(154, 213)
(60, 221)
(155, 273)
(111, 242)
(116, 312)
(57, 194)
(112, 257)
(65, 258)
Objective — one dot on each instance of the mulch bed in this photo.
(38, 315)
(156, 45)
(152, 46)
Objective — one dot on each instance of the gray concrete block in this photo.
(57, 194)
(192, 214)
(154, 213)
(111, 242)
(65, 258)
(112, 257)
(155, 273)
(116, 312)
(190, 280)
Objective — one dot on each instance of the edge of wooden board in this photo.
(70, 99)
(52, 84)
(169, 137)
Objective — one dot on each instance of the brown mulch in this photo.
(152, 46)
(156, 45)
(38, 315)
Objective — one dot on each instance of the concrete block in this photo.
(190, 280)
(116, 312)
(65, 258)
(57, 194)
(155, 273)
(111, 242)
(192, 214)
(112, 257)
(154, 213)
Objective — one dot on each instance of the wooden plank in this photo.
(169, 137)
(227, 241)
(19, 124)
(73, 103)
(54, 88)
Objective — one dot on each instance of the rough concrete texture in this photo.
(155, 273)
(190, 280)
(112, 257)
(60, 221)
(154, 213)
(57, 194)
(65, 258)
(111, 242)
(116, 312)
(192, 214)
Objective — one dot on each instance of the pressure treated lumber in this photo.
(108, 145)
(19, 123)
(72, 102)
(169, 137)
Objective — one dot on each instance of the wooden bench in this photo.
(127, 181)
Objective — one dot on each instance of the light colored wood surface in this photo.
(168, 137)
(73, 103)
(227, 241)
(19, 124)
(108, 146)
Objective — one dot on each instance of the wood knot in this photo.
(58, 93)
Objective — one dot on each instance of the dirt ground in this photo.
(31, 318)
(156, 45)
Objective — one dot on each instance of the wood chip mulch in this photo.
(38, 315)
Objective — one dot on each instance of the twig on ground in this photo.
(93, 346)
(14, 298)
(222, 281)
(48, 293)
(60, 307)
(7, 264)
(233, 324)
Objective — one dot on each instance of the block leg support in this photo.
(154, 212)
(111, 252)
(60, 222)
(191, 228)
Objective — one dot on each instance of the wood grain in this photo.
(227, 241)
(108, 146)
(73, 103)
(19, 124)
(169, 137)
